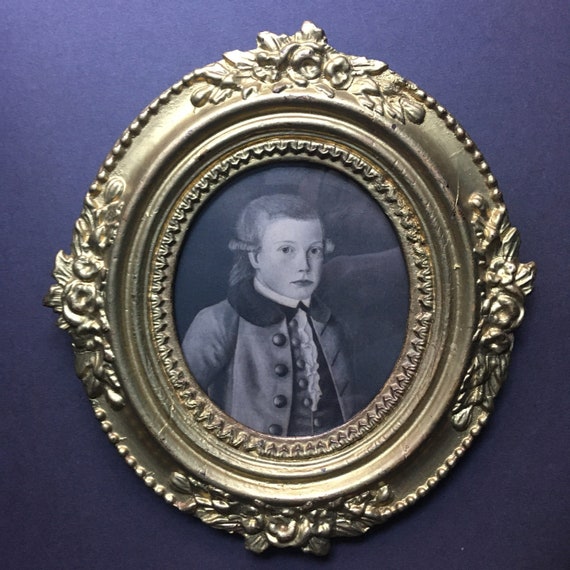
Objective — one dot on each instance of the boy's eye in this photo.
(316, 251)
(286, 249)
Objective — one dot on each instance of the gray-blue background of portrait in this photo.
(364, 281)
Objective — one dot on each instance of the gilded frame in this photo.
(293, 98)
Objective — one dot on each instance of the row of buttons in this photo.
(280, 401)
(283, 370)
(279, 339)
(276, 429)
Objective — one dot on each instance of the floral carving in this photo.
(305, 60)
(505, 284)
(77, 294)
(309, 526)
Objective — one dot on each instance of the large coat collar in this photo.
(261, 311)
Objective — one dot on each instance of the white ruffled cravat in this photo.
(307, 351)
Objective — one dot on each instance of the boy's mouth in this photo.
(302, 282)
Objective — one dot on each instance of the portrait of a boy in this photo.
(272, 355)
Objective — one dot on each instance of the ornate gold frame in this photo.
(293, 98)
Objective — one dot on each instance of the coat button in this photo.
(307, 402)
(279, 339)
(295, 341)
(281, 370)
(300, 363)
(280, 401)
(317, 422)
(275, 429)
(302, 383)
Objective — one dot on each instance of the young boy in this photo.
(271, 355)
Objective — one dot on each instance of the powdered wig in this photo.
(253, 221)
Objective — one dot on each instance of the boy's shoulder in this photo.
(221, 314)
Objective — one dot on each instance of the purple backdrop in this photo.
(73, 76)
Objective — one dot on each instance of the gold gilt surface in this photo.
(293, 98)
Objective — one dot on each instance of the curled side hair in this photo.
(253, 220)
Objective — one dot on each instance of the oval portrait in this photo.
(291, 298)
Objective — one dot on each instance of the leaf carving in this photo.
(240, 59)
(256, 543)
(305, 59)
(77, 295)
(263, 524)
(413, 110)
(506, 282)
(525, 277)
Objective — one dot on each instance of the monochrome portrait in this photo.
(291, 299)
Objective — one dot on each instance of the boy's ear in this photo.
(253, 255)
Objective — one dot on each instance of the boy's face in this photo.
(290, 260)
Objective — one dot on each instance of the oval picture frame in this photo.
(250, 415)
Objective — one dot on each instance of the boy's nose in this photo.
(303, 262)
